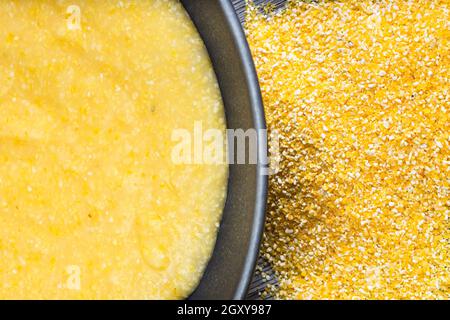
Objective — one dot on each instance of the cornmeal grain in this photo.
(359, 92)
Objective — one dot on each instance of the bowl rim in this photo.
(259, 123)
(231, 25)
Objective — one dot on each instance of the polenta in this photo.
(91, 204)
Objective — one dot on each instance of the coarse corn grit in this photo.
(359, 93)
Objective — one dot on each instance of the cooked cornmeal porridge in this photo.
(91, 203)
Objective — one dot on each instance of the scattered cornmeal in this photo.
(359, 92)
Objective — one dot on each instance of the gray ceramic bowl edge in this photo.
(232, 264)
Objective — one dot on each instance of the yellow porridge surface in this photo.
(91, 203)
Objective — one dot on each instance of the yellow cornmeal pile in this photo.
(360, 94)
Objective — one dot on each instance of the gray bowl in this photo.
(231, 267)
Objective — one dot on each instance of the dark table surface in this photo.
(240, 5)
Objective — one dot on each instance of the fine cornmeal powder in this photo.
(359, 92)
